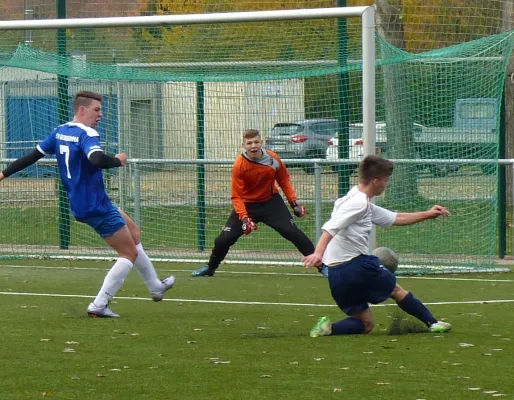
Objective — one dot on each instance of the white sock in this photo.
(113, 281)
(146, 270)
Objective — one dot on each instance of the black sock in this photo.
(411, 305)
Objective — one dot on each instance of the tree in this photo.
(508, 25)
(399, 121)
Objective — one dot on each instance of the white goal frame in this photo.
(366, 13)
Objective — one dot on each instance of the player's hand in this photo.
(438, 211)
(298, 209)
(312, 260)
(123, 158)
(248, 225)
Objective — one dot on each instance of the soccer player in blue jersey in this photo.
(355, 277)
(80, 160)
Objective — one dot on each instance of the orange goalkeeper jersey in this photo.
(255, 181)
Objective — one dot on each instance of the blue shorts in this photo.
(106, 224)
(360, 281)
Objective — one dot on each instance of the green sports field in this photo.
(243, 334)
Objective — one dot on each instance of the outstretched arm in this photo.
(415, 217)
(21, 163)
(101, 160)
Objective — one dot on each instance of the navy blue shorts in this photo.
(106, 224)
(360, 281)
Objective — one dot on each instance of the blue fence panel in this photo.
(29, 119)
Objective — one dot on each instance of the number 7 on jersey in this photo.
(66, 151)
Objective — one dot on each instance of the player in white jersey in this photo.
(81, 159)
(355, 277)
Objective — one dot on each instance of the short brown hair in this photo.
(375, 167)
(84, 98)
(250, 134)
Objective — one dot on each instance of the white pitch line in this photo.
(263, 303)
(258, 273)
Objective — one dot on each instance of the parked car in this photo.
(302, 139)
(356, 143)
(356, 147)
(474, 134)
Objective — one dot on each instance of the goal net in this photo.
(178, 96)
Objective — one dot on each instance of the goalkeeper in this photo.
(255, 198)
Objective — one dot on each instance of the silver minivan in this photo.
(307, 138)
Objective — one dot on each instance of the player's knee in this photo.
(368, 326)
(135, 232)
(368, 321)
(225, 239)
(130, 253)
(292, 234)
(399, 293)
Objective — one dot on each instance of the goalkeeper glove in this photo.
(298, 209)
(248, 225)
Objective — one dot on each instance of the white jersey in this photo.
(350, 226)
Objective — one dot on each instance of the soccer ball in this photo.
(387, 257)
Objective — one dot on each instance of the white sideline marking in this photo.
(258, 273)
(264, 303)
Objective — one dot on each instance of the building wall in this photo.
(158, 120)
(230, 108)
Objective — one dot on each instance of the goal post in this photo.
(179, 90)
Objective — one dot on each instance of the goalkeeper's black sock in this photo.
(411, 305)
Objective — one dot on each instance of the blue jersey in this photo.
(72, 144)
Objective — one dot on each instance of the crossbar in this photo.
(188, 19)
